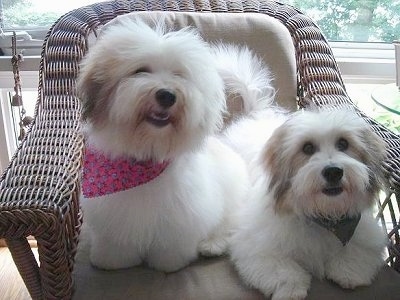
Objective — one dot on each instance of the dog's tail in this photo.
(248, 81)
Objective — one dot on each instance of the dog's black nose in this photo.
(332, 174)
(165, 98)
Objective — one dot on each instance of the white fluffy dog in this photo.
(309, 210)
(157, 186)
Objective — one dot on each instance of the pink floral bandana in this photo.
(103, 175)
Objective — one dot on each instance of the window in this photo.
(36, 13)
(340, 20)
(354, 20)
(31, 20)
(9, 115)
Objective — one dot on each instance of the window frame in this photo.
(30, 82)
(365, 62)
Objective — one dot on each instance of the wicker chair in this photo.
(40, 189)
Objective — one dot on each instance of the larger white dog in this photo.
(158, 187)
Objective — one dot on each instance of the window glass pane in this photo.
(354, 20)
(36, 13)
(31, 19)
(340, 20)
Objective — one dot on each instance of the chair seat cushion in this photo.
(207, 278)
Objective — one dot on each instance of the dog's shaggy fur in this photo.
(153, 94)
(309, 171)
(316, 165)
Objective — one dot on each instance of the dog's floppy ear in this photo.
(87, 89)
(276, 166)
(94, 88)
(374, 155)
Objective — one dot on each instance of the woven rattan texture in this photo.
(39, 190)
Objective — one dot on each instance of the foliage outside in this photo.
(22, 13)
(340, 20)
(389, 120)
(354, 20)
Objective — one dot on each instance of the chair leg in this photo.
(27, 265)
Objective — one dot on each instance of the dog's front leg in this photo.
(217, 242)
(356, 265)
(172, 256)
(282, 277)
(108, 255)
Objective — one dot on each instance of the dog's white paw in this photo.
(299, 295)
(213, 246)
(103, 255)
(168, 266)
(291, 290)
(347, 275)
(348, 280)
(171, 259)
(114, 261)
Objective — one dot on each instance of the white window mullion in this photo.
(8, 134)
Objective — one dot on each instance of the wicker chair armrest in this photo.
(39, 190)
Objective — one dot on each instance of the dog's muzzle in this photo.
(333, 175)
(160, 115)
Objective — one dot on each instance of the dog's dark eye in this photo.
(342, 144)
(141, 70)
(308, 148)
(178, 74)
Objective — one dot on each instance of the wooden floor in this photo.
(11, 285)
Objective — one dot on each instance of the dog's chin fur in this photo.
(276, 234)
(168, 221)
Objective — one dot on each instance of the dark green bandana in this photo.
(343, 228)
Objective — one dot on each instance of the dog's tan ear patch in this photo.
(235, 107)
(94, 90)
(88, 90)
(375, 145)
(374, 155)
(272, 161)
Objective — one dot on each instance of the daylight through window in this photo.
(340, 20)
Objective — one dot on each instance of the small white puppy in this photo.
(158, 188)
(309, 210)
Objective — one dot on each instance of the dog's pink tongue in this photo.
(162, 116)
(159, 118)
